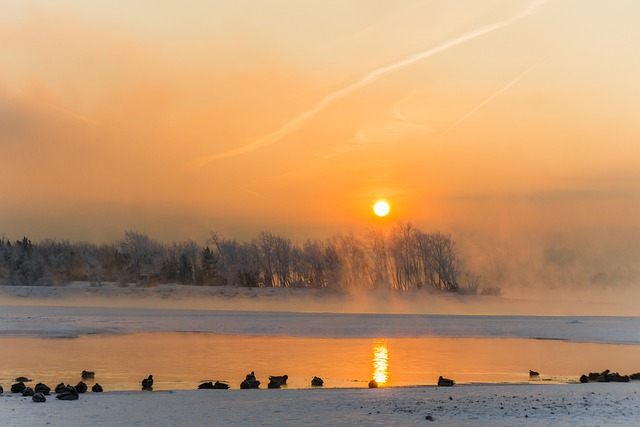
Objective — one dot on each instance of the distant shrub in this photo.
(494, 292)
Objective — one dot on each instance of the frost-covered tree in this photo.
(210, 267)
(405, 256)
(143, 255)
(405, 259)
(443, 261)
(275, 259)
(352, 261)
(25, 264)
(189, 265)
(378, 259)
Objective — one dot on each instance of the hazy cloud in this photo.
(364, 81)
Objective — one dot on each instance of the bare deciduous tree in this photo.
(405, 259)
(143, 255)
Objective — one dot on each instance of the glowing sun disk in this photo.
(381, 208)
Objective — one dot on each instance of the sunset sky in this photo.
(500, 118)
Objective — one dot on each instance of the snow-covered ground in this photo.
(594, 404)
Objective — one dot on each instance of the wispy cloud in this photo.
(487, 100)
(389, 131)
(75, 115)
(366, 80)
(402, 124)
(44, 99)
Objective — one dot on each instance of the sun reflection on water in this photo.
(380, 362)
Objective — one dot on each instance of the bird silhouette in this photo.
(147, 383)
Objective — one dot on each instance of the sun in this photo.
(381, 208)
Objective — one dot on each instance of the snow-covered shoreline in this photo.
(575, 404)
(569, 303)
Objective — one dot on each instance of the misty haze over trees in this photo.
(406, 259)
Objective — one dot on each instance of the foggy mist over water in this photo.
(573, 260)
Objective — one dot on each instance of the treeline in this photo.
(407, 258)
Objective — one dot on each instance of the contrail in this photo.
(487, 100)
(61, 109)
(75, 115)
(366, 80)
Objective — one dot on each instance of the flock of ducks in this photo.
(69, 392)
(40, 391)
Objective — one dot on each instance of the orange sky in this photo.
(498, 118)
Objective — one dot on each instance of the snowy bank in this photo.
(320, 300)
(576, 404)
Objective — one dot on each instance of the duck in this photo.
(23, 379)
(18, 387)
(373, 384)
(1, 390)
(250, 381)
(273, 384)
(69, 393)
(533, 373)
(445, 382)
(38, 398)
(276, 381)
(60, 388)
(88, 375)
(317, 382)
(147, 383)
(249, 384)
(616, 377)
(281, 379)
(220, 385)
(28, 391)
(97, 388)
(604, 376)
(42, 388)
(206, 386)
(81, 387)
